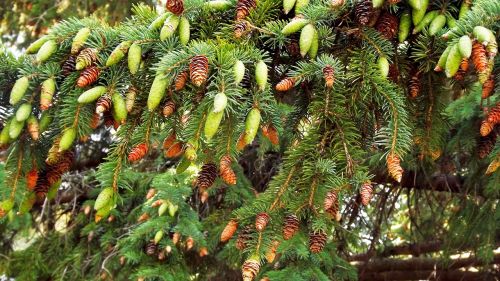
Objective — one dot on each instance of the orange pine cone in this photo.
(317, 241)
(138, 152)
(271, 251)
(31, 178)
(329, 76)
(488, 87)
(290, 226)
(229, 230)
(226, 172)
(180, 80)
(198, 70)
(243, 8)
(175, 6)
(269, 132)
(168, 108)
(88, 76)
(366, 192)
(494, 115)
(169, 141)
(103, 104)
(95, 121)
(479, 58)
(486, 128)
(189, 243)
(394, 167)
(331, 201)
(175, 150)
(240, 28)
(240, 145)
(285, 84)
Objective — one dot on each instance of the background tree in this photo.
(221, 140)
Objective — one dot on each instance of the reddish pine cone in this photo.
(168, 109)
(103, 104)
(394, 167)
(41, 188)
(366, 192)
(479, 58)
(226, 172)
(486, 128)
(207, 176)
(175, 6)
(229, 230)
(95, 121)
(198, 70)
(175, 150)
(240, 28)
(269, 132)
(317, 241)
(180, 80)
(55, 171)
(486, 145)
(285, 84)
(261, 221)
(169, 141)
(414, 86)
(138, 152)
(88, 76)
(31, 178)
(464, 66)
(243, 8)
(68, 65)
(488, 87)
(290, 226)
(365, 13)
(494, 115)
(387, 25)
(329, 76)
(250, 269)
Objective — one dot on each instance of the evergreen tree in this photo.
(255, 140)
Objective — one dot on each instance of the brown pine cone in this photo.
(414, 86)
(103, 104)
(226, 172)
(261, 221)
(68, 65)
(290, 226)
(329, 76)
(240, 28)
(151, 249)
(207, 176)
(180, 80)
(317, 241)
(88, 76)
(365, 14)
(394, 167)
(168, 109)
(175, 6)
(486, 145)
(486, 128)
(387, 25)
(198, 70)
(243, 236)
(229, 230)
(366, 192)
(250, 269)
(243, 8)
(494, 115)
(488, 87)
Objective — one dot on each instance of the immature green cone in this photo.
(252, 125)
(33, 127)
(118, 53)
(383, 66)
(47, 93)
(134, 58)
(35, 46)
(4, 134)
(159, 21)
(157, 91)
(299, 6)
(162, 209)
(184, 31)
(464, 9)
(220, 102)
(404, 27)
(418, 14)
(15, 128)
(92, 94)
(19, 89)
(67, 139)
(79, 40)
(377, 3)
(85, 58)
(261, 74)
(190, 152)
(451, 22)
(130, 98)
(425, 21)
(482, 34)
(158, 236)
(437, 24)
(169, 27)
(183, 165)
(453, 61)
(23, 112)
(172, 209)
(119, 108)
(218, 5)
(294, 25)
(306, 39)
(105, 198)
(238, 71)
(46, 51)
(27, 203)
(313, 50)
(103, 212)
(45, 121)
(442, 60)
(288, 5)
(212, 123)
(465, 46)
(5, 206)
(415, 4)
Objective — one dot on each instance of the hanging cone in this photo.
(486, 145)
(269, 132)
(317, 241)
(488, 87)
(198, 70)
(494, 115)
(31, 178)
(290, 226)
(243, 8)
(86, 58)
(365, 13)
(285, 84)
(331, 200)
(479, 58)
(241, 143)
(95, 121)
(240, 28)
(366, 192)
(207, 176)
(243, 236)
(414, 86)
(176, 7)
(41, 188)
(394, 167)
(138, 152)
(329, 76)
(229, 230)
(168, 109)
(189, 243)
(180, 80)
(486, 128)
(250, 269)
(68, 65)
(151, 193)
(462, 70)
(271, 251)
(103, 104)
(176, 150)
(130, 98)
(88, 76)
(387, 25)
(261, 221)
(494, 165)
(226, 172)
(169, 141)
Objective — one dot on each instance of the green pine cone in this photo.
(465, 46)
(252, 125)
(218, 5)
(157, 91)
(23, 112)
(105, 198)
(19, 90)
(383, 66)
(288, 5)
(162, 209)
(404, 27)
(190, 153)
(437, 24)
(169, 27)
(415, 4)
(451, 22)
(306, 38)
(6, 205)
(183, 165)
(92, 94)
(313, 50)
(46, 51)
(464, 9)
(482, 34)
(453, 61)
(118, 53)
(48, 89)
(442, 60)
(67, 139)
(158, 236)
(159, 21)
(238, 71)
(35, 46)
(418, 14)
(119, 108)
(79, 40)
(220, 102)
(425, 21)
(294, 25)
(134, 58)
(184, 31)
(15, 128)
(4, 134)
(212, 123)
(172, 209)
(261, 74)
(45, 121)
(299, 6)
(27, 203)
